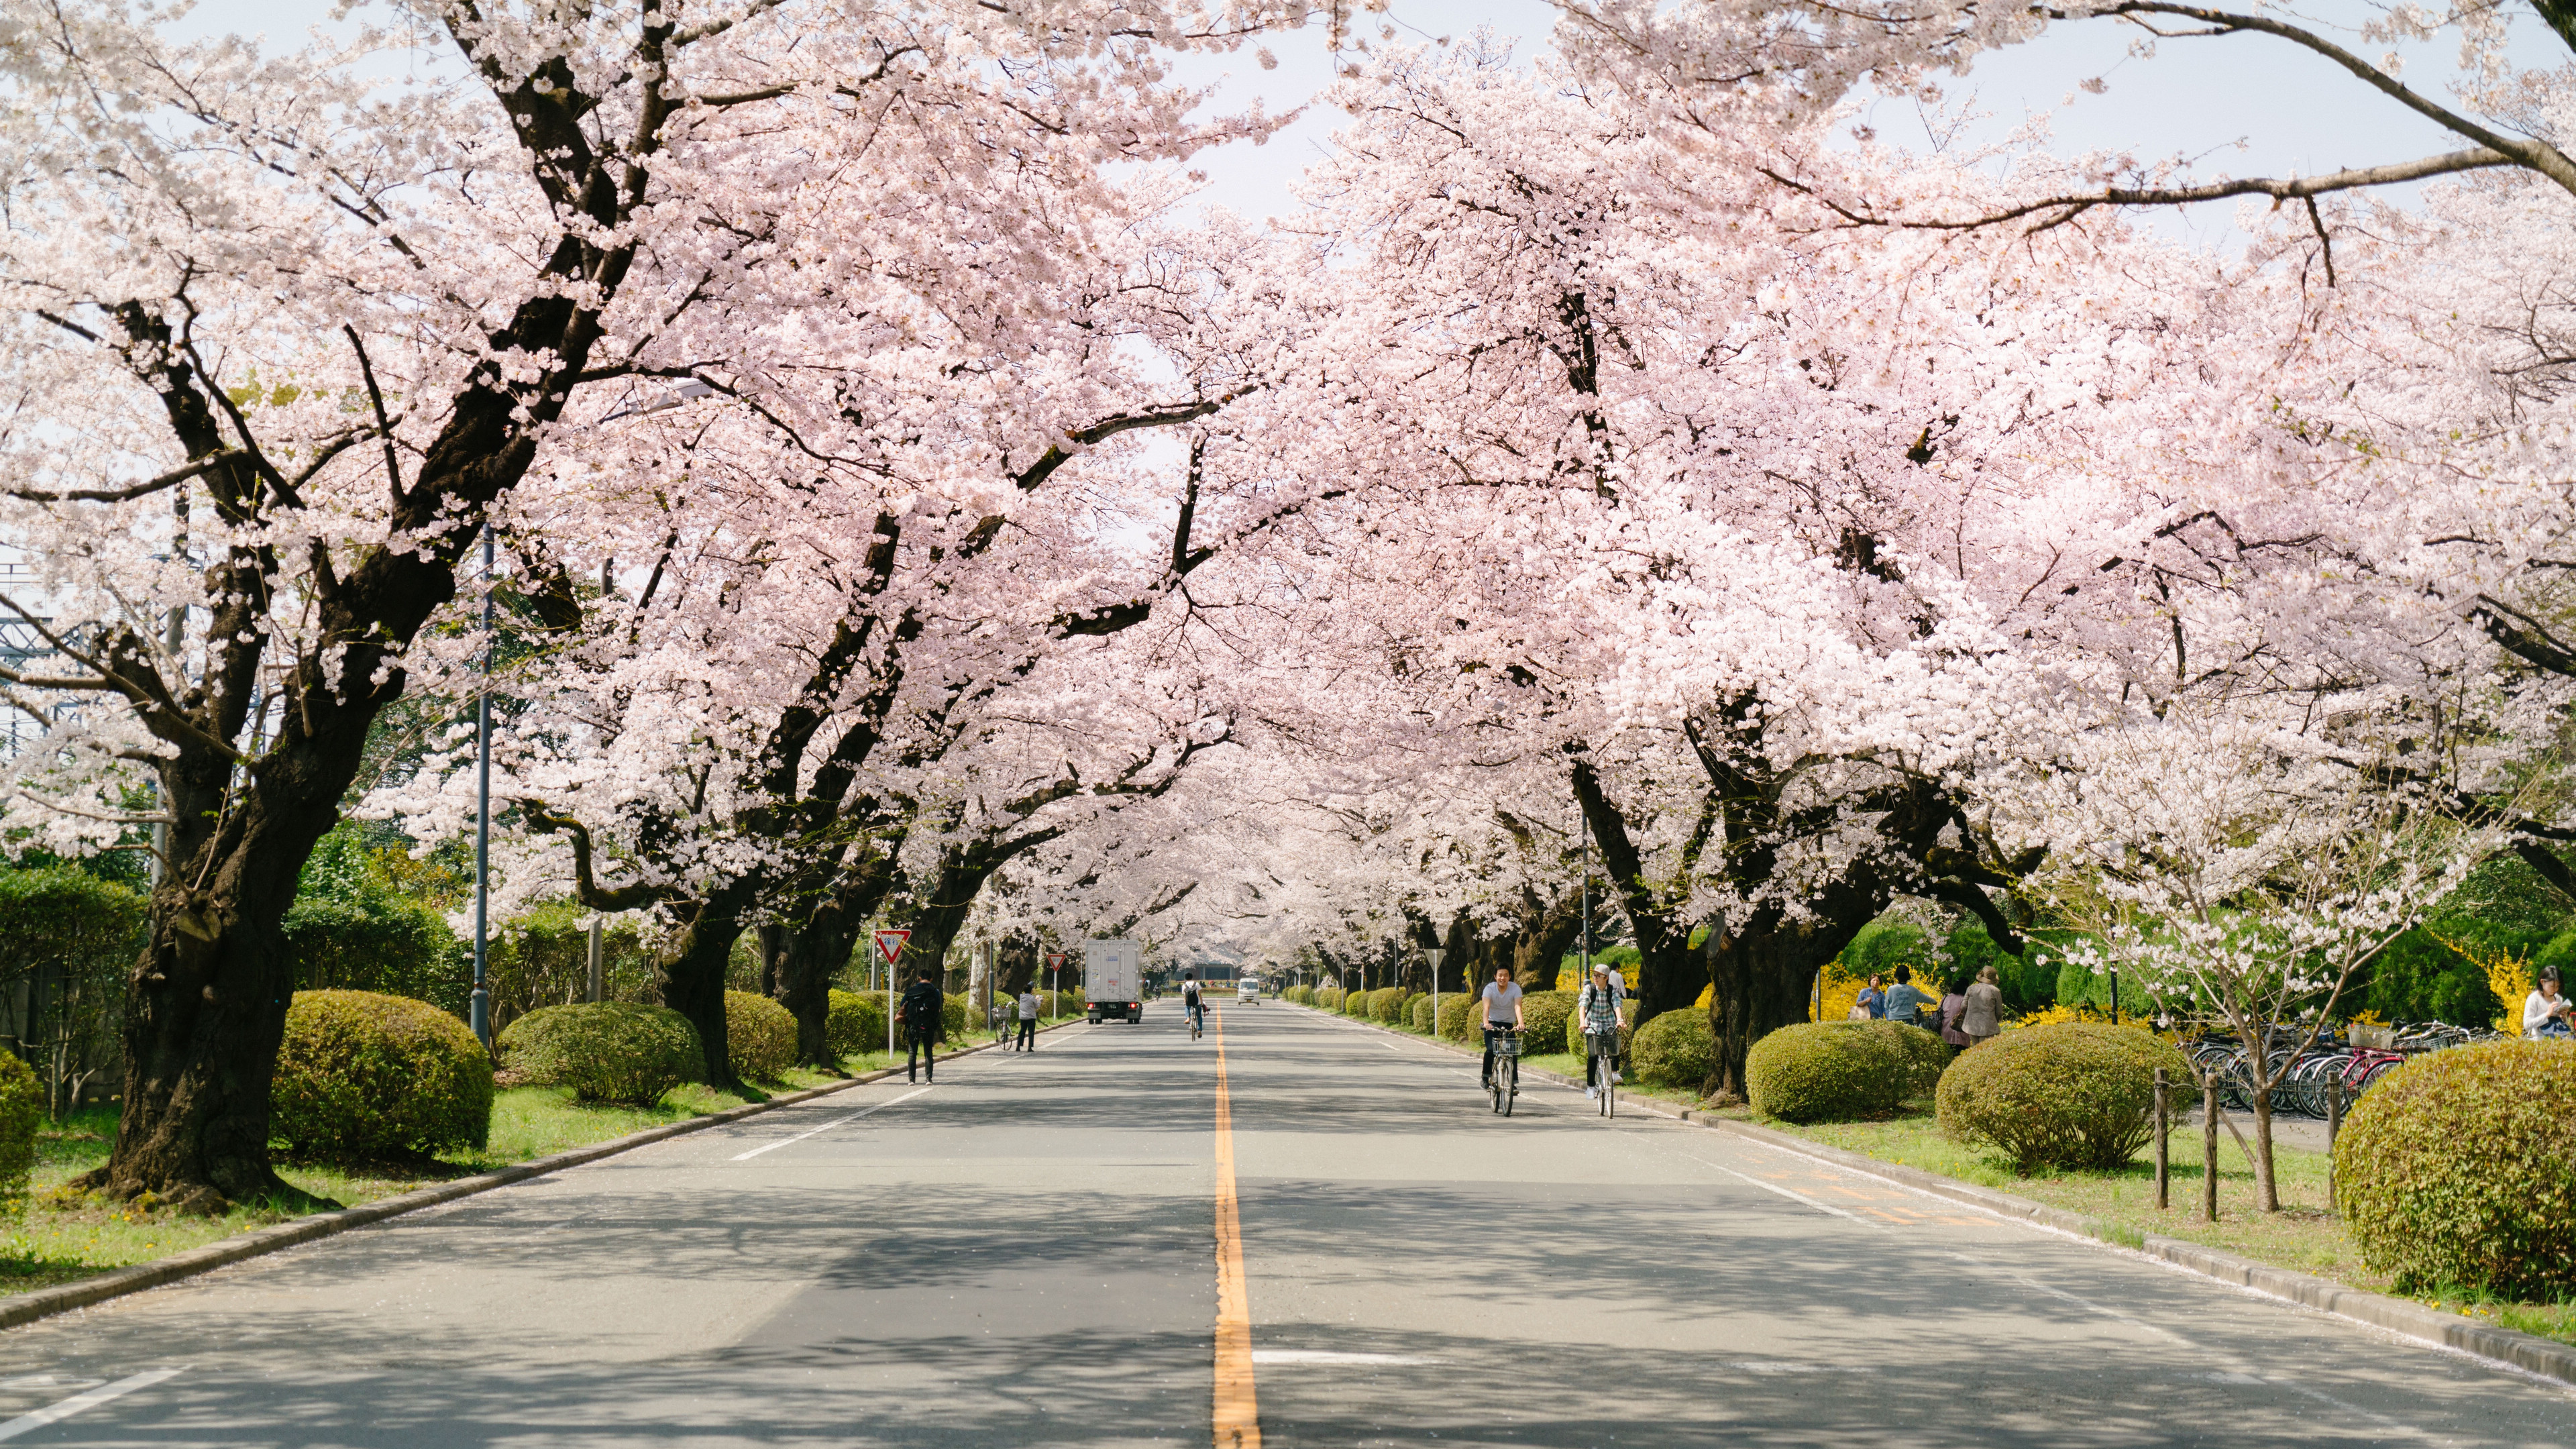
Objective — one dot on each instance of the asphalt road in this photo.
(1028, 1254)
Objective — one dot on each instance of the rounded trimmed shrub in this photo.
(1328, 998)
(2459, 1169)
(1417, 1013)
(2072, 1094)
(22, 1110)
(1458, 1016)
(606, 1051)
(1573, 1034)
(366, 1076)
(1357, 1004)
(1827, 1071)
(1386, 1004)
(760, 1036)
(854, 1022)
(1543, 1016)
(953, 1010)
(1922, 1049)
(1675, 1049)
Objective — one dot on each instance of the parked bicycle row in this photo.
(2304, 1083)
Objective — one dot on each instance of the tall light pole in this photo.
(479, 1014)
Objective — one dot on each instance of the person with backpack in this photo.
(920, 1012)
(1598, 1009)
(1028, 1041)
(1193, 1005)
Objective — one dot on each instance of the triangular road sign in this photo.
(890, 945)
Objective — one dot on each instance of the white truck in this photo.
(1247, 989)
(1112, 981)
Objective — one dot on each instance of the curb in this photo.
(2527, 1352)
(47, 1302)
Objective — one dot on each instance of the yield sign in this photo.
(890, 944)
(1055, 960)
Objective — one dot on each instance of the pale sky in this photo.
(2197, 98)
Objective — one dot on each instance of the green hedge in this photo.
(2459, 1170)
(2072, 1094)
(1386, 1004)
(1417, 1013)
(1543, 1016)
(368, 1077)
(22, 1108)
(350, 928)
(854, 1022)
(1675, 1049)
(760, 1036)
(606, 1051)
(1329, 998)
(1458, 1016)
(1831, 1071)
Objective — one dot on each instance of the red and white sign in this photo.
(890, 945)
(1055, 960)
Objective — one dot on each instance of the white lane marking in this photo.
(1790, 1193)
(1320, 1355)
(24, 1382)
(56, 1413)
(1774, 1366)
(828, 1126)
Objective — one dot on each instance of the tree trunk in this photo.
(813, 954)
(1670, 975)
(206, 1006)
(2267, 1192)
(1760, 979)
(690, 977)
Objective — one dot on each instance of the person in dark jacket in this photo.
(920, 1014)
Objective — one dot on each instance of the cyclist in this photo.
(1191, 1006)
(1502, 997)
(1599, 1009)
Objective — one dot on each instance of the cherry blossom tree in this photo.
(288, 327)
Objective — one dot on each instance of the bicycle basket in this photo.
(1507, 1044)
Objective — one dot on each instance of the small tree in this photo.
(2245, 873)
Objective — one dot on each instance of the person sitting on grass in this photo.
(1905, 1003)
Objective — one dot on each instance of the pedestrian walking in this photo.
(1871, 1004)
(1905, 1001)
(1028, 1020)
(1983, 1019)
(1954, 1006)
(921, 1013)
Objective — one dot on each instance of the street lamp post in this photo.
(479, 1014)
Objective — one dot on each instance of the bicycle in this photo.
(1505, 1083)
(1603, 1046)
(999, 1024)
(1198, 1016)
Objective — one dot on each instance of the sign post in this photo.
(1055, 998)
(1435, 955)
(890, 947)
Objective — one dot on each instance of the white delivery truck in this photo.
(1112, 981)
(1247, 989)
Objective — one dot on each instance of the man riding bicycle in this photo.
(1501, 999)
(1598, 1009)
(1191, 1006)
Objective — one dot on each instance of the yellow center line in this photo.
(1238, 1417)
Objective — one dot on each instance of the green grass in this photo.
(55, 1238)
(2305, 1236)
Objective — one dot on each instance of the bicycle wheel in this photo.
(1510, 1072)
(1609, 1088)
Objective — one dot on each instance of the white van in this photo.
(1247, 989)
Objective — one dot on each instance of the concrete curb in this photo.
(47, 1302)
(2523, 1351)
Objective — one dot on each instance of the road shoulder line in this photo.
(26, 1308)
(2507, 1347)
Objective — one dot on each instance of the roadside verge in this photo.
(47, 1302)
(2523, 1351)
